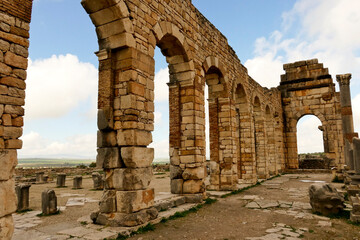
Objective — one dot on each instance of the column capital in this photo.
(343, 79)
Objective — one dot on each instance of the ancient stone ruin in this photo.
(252, 129)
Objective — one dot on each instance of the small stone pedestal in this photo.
(49, 202)
(98, 181)
(77, 182)
(60, 180)
(22, 192)
(40, 177)
(353, 190)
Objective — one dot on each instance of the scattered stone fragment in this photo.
(325, 199)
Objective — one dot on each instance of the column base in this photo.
(117, 219)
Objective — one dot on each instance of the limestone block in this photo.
(8, 162)
(193, 186)
(108, 158)
(77, 182)
(13, 144)
(137, 157)
(98, 181)
(40, 177)
(128, 179)
(194, 173)
(15, 60)
(125, 219)
(12, 132)
(8, 199)
(49, 202)
(60, 180)
(177, 186)
(106, 139)
(22, 193)
(108, 201)
(132, 137)
(105, 119)
(6, 227)
(175, 172)
(325, 199)
(133, 201)
(194, 198)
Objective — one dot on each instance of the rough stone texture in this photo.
(49, 202)
(77, 182)
(134, 201)
(108, 202)
(40, 177)
(325, 199)
(6, 227)
(356, 154)
(355, 212)
(8, 162)
(128, 179)
(137, 157)
(22, 193)
(8, 199)
(60, 180)
(98, 181)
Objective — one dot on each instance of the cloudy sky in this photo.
(61, 90)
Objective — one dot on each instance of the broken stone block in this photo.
(108, 202)
(60, 180)
(133, 137)
(105, 119)
(194, 198)
(194, 173)
(137, 157)
(125, 219)
(108, 158)
(325, 199)
(175, 172)
(177, 186)
(106, 139)
(40, 177)
(98, 181)
(193, 186)
(22, 192)
(49, 202)
(77, 182)
(133, 201)
(128, 179)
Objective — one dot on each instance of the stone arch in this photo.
(260, 139)
(222, 169)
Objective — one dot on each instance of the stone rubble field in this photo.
(276, 209)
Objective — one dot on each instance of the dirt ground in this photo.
(283, 201)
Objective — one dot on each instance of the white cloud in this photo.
(80, 146)
(309, 137)
(161, 87)
(324, 29)
(161, 148)
(57, 85)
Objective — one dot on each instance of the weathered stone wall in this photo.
(14, 43)
(308, 89)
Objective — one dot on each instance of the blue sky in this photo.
(60, 117)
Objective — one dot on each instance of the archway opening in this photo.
(310, 143)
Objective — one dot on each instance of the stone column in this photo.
(98, 181)
(49, 202)
(40, 177)
(346, 115)
(60, 180)
(77, 182)
(22, 192)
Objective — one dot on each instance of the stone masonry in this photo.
(252, 129)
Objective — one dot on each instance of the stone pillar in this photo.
(60, 180)
(22, 192)
(77, 182)
(356, 155)
(98, 181)
(40, 177)
(49, 202)
(346, 115)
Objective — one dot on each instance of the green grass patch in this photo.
(149, 227)
(84, 223)
(210, 200)
(159, 173)
(337, 180)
